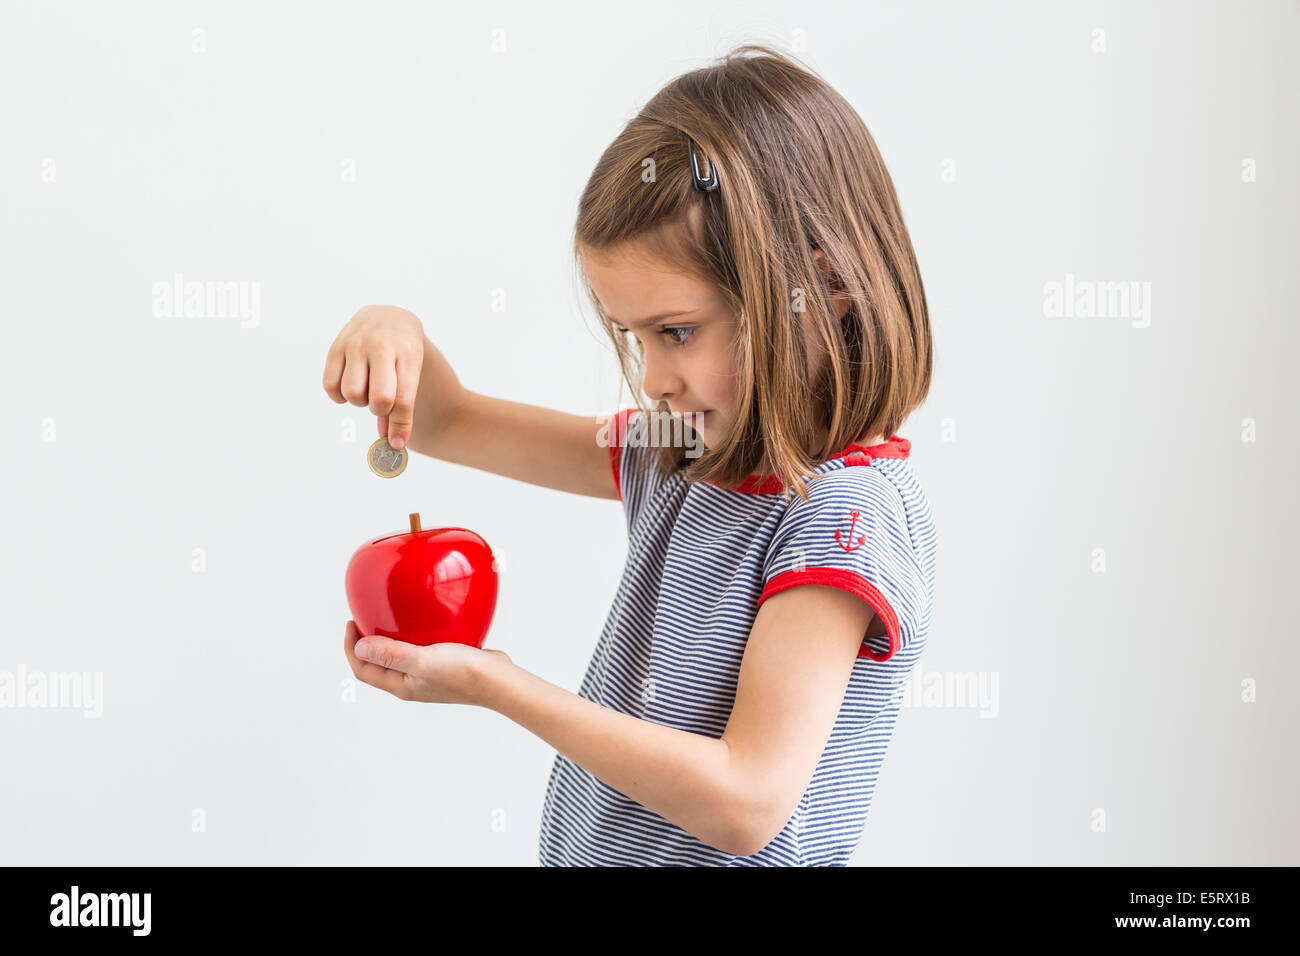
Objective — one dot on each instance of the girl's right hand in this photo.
(376, 361)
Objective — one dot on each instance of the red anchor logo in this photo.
(862, 538)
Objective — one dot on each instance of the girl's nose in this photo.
(661, 384)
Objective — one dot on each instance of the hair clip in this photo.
(702, 184)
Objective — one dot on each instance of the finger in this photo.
(383, 383)
(387, 653)
(403, 414)
(383, 426)
(376, 676)
(350, 637)
(355, 376)
(333, 376)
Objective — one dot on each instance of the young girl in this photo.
(743, 245)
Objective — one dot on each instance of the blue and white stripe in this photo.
(699, 557)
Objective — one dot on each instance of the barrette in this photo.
(702, 184)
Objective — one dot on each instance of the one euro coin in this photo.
(385, 460)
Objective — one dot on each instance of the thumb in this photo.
(400, 423)
(386, 652)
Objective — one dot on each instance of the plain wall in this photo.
(182, 497)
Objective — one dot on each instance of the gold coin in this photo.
(385, 460)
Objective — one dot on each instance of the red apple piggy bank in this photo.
(424, 587)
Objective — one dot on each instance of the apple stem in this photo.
(415, 523)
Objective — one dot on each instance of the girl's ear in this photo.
(840, 301)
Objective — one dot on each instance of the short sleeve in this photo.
(616, 438)
(629, 459)
(851, 534)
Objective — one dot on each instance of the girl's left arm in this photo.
(734, 793)
(684, 777)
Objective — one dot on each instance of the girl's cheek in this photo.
(728, 380)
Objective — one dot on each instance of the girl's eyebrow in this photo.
(655, 318)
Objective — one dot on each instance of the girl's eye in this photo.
(668, 332)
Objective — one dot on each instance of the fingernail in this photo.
(363, 651)
(396, 442)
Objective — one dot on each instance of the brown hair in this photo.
(798, 171)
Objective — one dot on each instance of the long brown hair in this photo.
(798, 171)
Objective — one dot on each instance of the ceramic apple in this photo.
(424, 586)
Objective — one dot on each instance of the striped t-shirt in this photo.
(701, 559)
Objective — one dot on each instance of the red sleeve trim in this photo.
(617, 438)
(849, 581)
(615, 453)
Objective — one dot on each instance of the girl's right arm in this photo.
(382, 359)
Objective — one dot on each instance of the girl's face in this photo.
(683, 329)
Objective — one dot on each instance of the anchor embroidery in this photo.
(862, 538)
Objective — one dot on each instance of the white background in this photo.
(1118, 691)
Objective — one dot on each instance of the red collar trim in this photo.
(895, 447)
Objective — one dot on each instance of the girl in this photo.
(743, 246)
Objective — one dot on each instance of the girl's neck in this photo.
(765, 467)
(866, 441)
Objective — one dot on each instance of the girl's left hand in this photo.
(436, 674)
